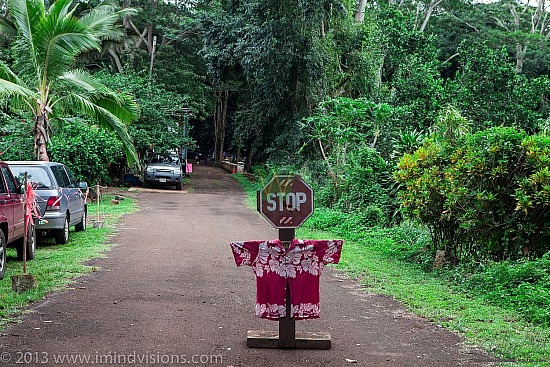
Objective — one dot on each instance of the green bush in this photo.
(423, 192)
(483, 197)
(87, 150)
(16, 140)
(361, 185)
(352, 225)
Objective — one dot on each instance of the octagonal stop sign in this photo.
(286, 201)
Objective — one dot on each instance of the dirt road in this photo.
(169, 293)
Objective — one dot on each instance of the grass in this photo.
(56, 266)
(377, 259)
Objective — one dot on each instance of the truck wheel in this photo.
(2, 255)
(31, 244)
(62, 235)
(178, 186)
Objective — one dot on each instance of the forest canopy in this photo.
(384, 106)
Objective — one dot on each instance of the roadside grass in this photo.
(57, 266)
(388, 262)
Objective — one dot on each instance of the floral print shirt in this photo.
(299, 267)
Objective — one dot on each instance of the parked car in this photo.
(163, 168)
(60, 197)
(12, 219)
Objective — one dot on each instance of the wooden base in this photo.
(23, 282)
(270, 339)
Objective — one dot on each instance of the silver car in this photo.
(164, 169)
(60, 197)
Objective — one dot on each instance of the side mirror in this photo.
(20, 189)
(83, 185)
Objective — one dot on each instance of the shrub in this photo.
(423, 192)
(361, 185)
(87, 150)
(484, 197)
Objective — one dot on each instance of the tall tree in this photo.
(43, 78)
(528, 23)
(276, 54)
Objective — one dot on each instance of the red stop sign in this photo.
(286, 201)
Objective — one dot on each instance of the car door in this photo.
(6, 210)
(76, 199)
(14, 200)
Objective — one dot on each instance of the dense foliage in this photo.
(483, 196)
(93, 154)
(42, 78)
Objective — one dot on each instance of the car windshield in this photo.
(37, 175)
(165, 158)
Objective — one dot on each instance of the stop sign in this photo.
(286, 201)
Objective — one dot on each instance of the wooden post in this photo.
(26, 226)
(98, 223)
(24, 282)
(287, 325)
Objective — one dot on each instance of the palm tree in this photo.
(43, 79)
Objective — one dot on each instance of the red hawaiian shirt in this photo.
(300, 267)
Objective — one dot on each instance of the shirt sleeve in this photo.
(245, 252)
(332, 251)
(328, 251)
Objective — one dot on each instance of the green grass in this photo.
(389, 262)
(57, 266)
(497, 330)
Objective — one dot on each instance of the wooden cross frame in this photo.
(286, 337)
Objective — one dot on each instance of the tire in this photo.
(82, 225)
(31, 244)
(146, 184)
(2, 255)
(178, 186)
(62, 235)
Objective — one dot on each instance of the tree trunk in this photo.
(331, 172)
(116, 59)
(431, 8)
(360, 12)
(153, 50)
(220, 117)
(521, 51)
(41, 138)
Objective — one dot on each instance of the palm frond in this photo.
(114, 6)
(107, 120)
(26, 14)
(104, 13)
(10, 85)
(100, 21)
(81, 80)
(61, 9)
(121, 104)
(7, 28)
(61, 42)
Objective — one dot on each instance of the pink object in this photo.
(300, 267)
(189, 168)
